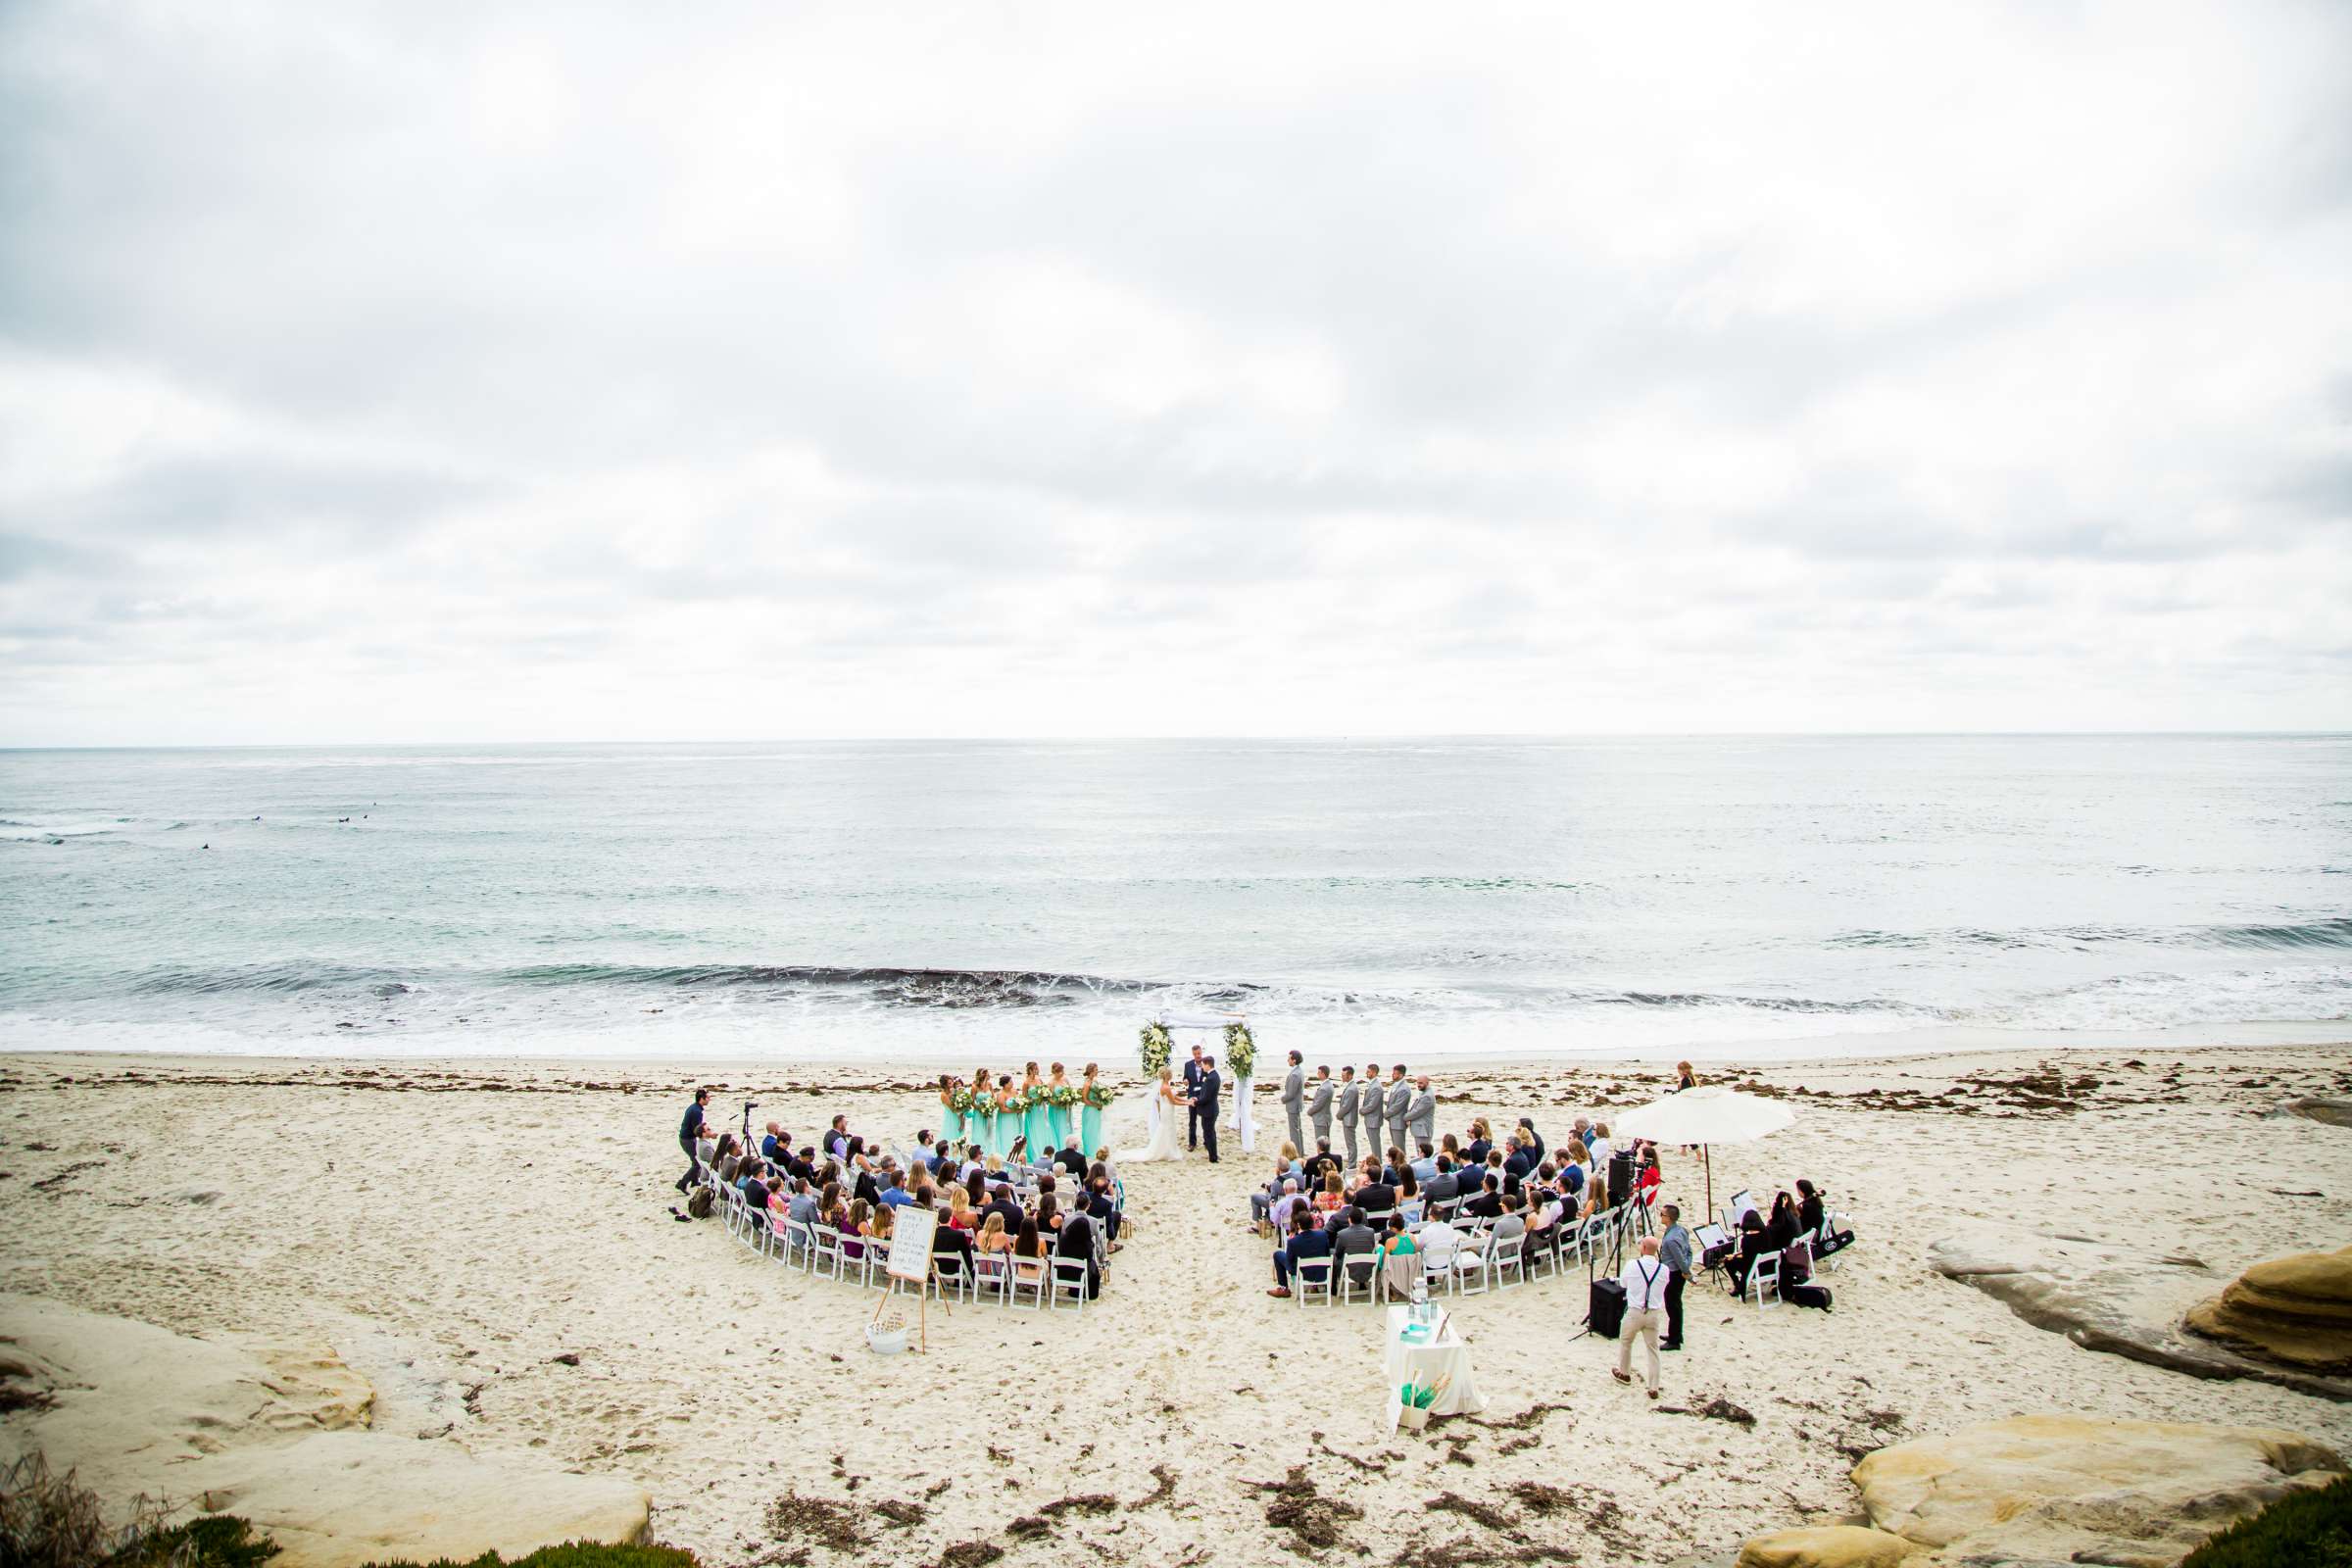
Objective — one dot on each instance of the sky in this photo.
(416, 373)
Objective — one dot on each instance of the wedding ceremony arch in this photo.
(1236, 1057)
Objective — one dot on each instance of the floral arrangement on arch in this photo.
(1240, 1052)
(1158, 1047)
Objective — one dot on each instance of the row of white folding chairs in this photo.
(1476, 1263)
(820, 1250)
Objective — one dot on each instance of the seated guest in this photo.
(1399, 1257)
(1408, 1196)
(1426, 1165)
(1290, 1161)
(1001, 1202)
(1651, 1178)
(1508, 1223)
(1261, 1202)
(1331, 1200)
(853, 1226)
(993, 1238)
(1077, 1240)
(1452, 1148)
(1071, 1159)
(1306, 1242)
(1517, 1161)
(959, 1209)
(1318, 1165)
(1780, 1229)
(1397, 1241)
(878, 1229)
(1531, 1140)
(1481, 1145)
(947, 1241)
(1104, 1207)
(1354, 1246)
(836, 1141)
(1376, 1195)
(1809, 1211)
(1284, 1204)
(726, 1159)
(1029, 1252)
(1601, 1146)
(1048, 1215)
(1392, 1168)
(802, 1208)
(1489, 1202)
(890, 1192)
(1442, 1185)
(773, 1147)
(1754, 1243)
(926, 1149)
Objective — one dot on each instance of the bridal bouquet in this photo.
(1240, 1052)
(1158, 1047)
(965, 1103)
(1098, 1096)
(1036, 1095)
(1064, 1096)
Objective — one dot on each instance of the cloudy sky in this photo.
(407, 372)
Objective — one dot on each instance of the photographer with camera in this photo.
(691, 1129)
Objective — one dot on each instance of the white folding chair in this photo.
(1069, 1280)
(1352, 1287)
(1025, 1274)
(1505, 1261)
(1766, 1274)
(828, 1259)
(1311, 1277)
(991, 1274)
(1437, 1265)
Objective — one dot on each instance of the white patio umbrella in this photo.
(1707, 1115)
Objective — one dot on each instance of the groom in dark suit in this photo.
(1204, 1105)
(1193, 1070)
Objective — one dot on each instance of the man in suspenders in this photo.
(1645, 1279)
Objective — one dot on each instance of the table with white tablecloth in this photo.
(1443, 1356)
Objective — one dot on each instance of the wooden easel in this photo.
(911, 1262)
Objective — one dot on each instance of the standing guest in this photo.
(1421, 1114)
(1684, 1078)
(1645, 1279)
(1318, 1106)
(1294, 1099)
(1674, 1251)
(690, 1130)
(1351, 1095)
(1395, 1103)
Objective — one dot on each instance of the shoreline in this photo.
(1949, 1045)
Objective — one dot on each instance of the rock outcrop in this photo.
(2065, 1489)
(280, 1435)
(2293, 1310)
(1826, 1547)
(2104, 1298)
(2331, 1109)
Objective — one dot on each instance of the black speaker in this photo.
(1621, 1176)
(1605, 1312)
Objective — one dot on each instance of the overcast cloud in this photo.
(409, 373)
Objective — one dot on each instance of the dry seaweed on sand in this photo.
(1313, 1520)
(819, 1519)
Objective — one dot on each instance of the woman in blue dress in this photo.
(951, 1120)
(1057, 1115)
(1033, 1118)
(1090, 1114)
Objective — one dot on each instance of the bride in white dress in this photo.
(1163, 1108)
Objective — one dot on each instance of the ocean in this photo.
(973, 903)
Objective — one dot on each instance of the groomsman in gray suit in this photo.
(1318, 1106)
(1294, 1095)
(1399, 1096)
(1421, 1115)
(1351, 1093)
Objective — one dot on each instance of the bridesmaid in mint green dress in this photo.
(1008, 1117)
(1057, 1118)
(980, 1127)
(951, 1120)
(1090, 1114)
(1035, 1118)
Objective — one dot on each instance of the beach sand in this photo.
(451, 1228)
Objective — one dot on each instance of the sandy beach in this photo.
(452, 1229)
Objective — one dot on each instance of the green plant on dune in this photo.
(2308, 1530)
(53, 1521)
(570, 1555)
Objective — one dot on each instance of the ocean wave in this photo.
(1709, 998)
(2302, 934)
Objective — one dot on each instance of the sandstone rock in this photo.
(2069, 1489)
(2296, 1310)
(1826, 1547)
(2105, 1298)
(2329, 1108)
(280, 1435)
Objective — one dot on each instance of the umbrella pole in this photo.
(1708, 1152)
